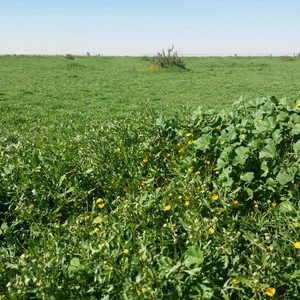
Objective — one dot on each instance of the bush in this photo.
(69, 56)
(168, 60)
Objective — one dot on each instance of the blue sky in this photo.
(132, 27)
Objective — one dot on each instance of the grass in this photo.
(38, 89)
(103, 196)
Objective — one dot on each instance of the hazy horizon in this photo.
(136, 28)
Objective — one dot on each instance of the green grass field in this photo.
(43, 89)
(111, 188)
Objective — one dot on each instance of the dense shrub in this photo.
(200, 206)
(168, 60)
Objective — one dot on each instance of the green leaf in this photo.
(277, 136)
(70, 190)
(286, 207)
(296, 274)
(283, 177)
(241, 155)
(225, 178)
(193, 272)
(247, 176)
(74, 264)
(264, 167)
(296, 129)
(203, 142)
(269, 150)
(194, 256)
(271, 181)
(296, 147)
(249, 192)
(232, 134)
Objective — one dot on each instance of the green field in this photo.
(45, 89)
(114, 184)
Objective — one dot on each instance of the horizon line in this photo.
(88, 54)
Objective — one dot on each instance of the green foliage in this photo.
(168, 60)
(200, 206)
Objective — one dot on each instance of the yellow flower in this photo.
(256, 205)
(99, 220)
(168, 207)
(188, 134)
(217, 172)
(169, 155)
(158, 189)
(59, 215)
(31, 206)
(125, 251)
(214, 197)
(86, 218)
(297, 105)
(101, 205)
(259, 121)
(181, 150)
(222, 142)
(142, 184)
(181, 157)
(219, 128)
(178, 145)
(273, 204)
(118, 150)
(179, 197)
(187, 203)
(224, 115)
(270, 291)
(190, 170)
(125, 189)
(197, 173)
(207, 162)
(235, 281)
(99, 200)
(296, 224)
(244, 136)
(235, 202)
(170, 194)
(211, 231)
(297, 245)
(96, 230)
(143, 290)
(145, 159)
(251, 213)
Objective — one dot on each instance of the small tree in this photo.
(168, 60)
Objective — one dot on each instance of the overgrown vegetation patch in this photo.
(200, 206)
